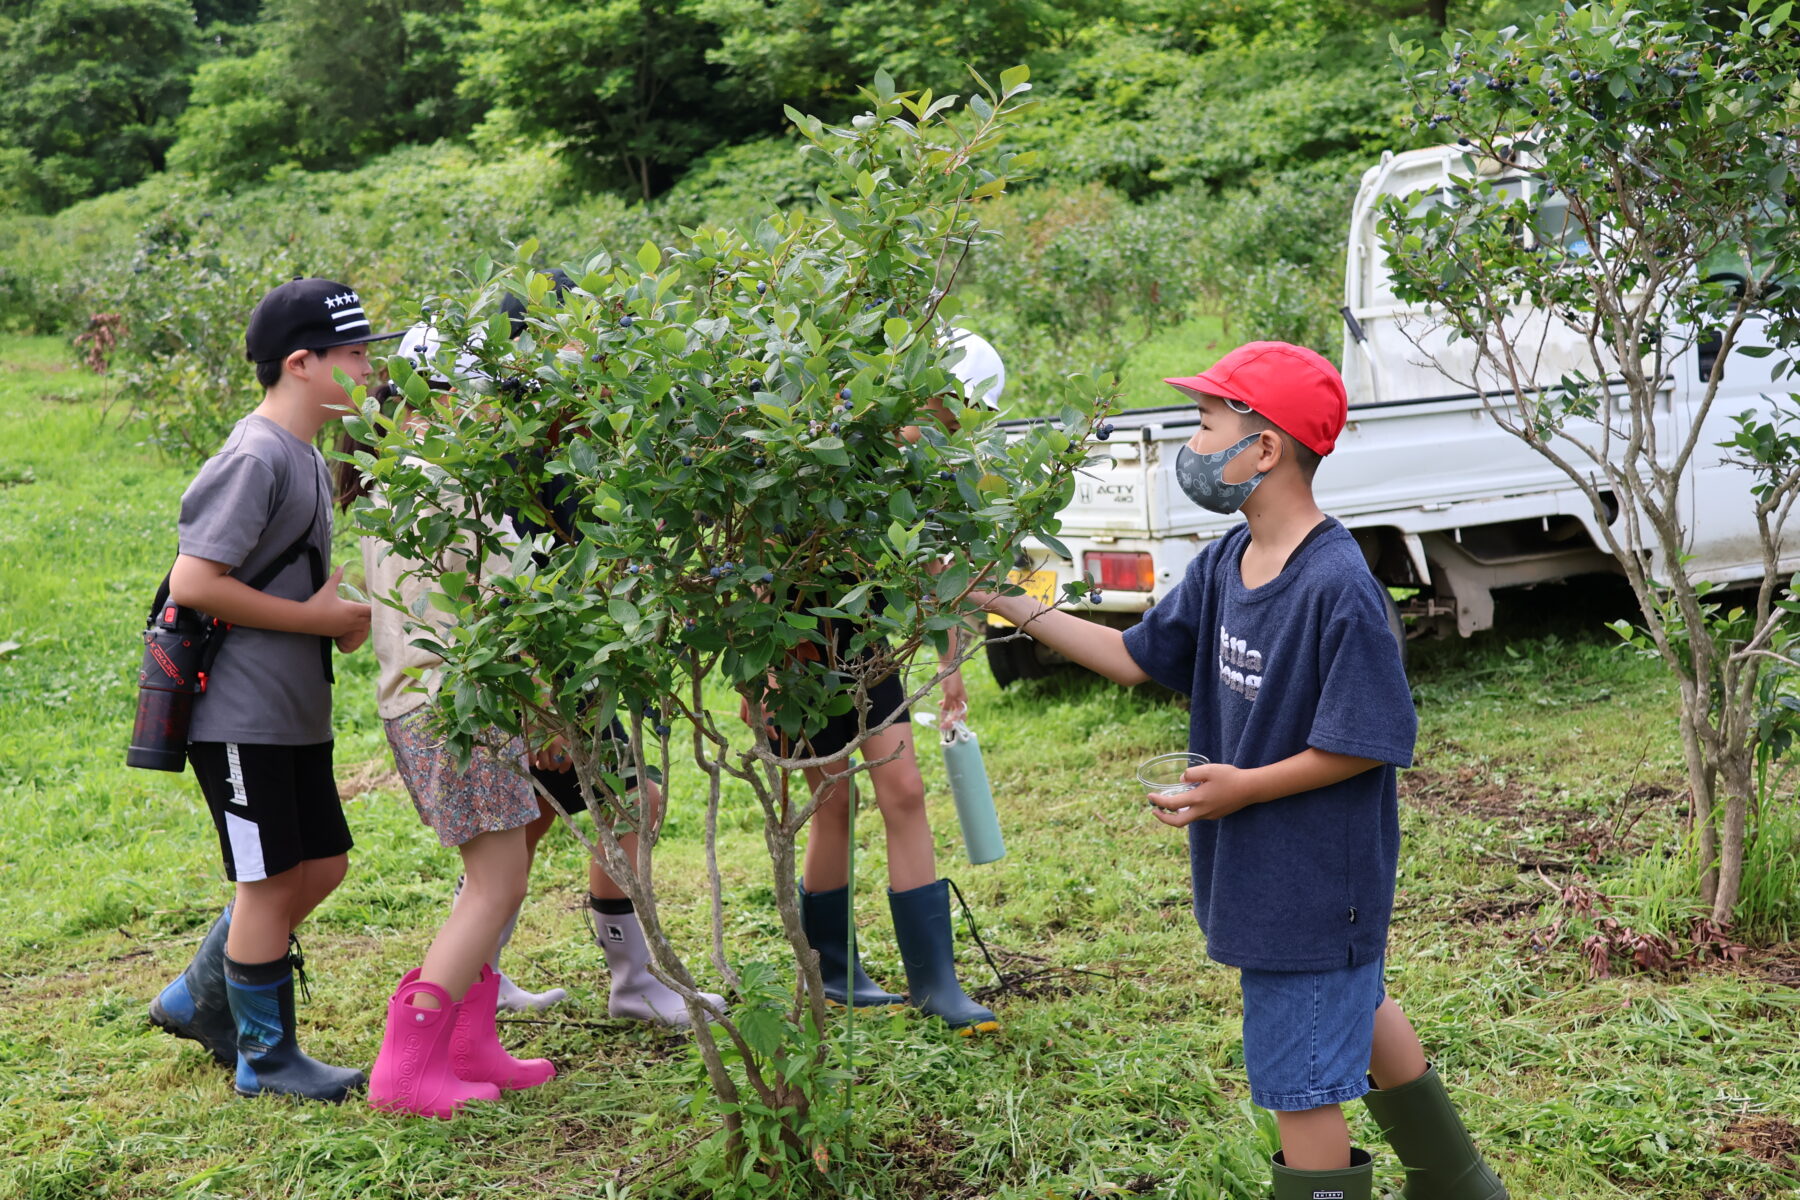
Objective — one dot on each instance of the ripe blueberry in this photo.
(687, 460)
(625, 321)
(662, 731)
(844, 394)
(768, 577)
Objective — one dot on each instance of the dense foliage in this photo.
(92, 91)
(1199, 157)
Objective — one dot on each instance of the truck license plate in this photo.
(1039, 585)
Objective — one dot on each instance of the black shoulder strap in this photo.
(261, 579)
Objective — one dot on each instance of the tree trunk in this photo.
(1738, 777)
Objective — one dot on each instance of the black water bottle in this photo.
(171, 676)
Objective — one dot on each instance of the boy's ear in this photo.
(296, 363)
(1270, 450)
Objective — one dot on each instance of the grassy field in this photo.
(1545, 757)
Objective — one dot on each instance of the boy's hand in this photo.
(349, 643)
(332, 616)
(1219, 790)
(956, 701)
(552, 756)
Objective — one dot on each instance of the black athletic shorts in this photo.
(565, 788)
(274, 806)
(886, 698)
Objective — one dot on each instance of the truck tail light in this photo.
(1120, 571)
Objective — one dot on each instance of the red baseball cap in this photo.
(1296, 388)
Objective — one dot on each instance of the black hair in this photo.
(269, 373)
(1306, 457)
(514, 307)
(349, 482)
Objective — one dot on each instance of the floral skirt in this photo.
(491, 796)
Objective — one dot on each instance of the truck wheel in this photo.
(1010, 660)
(1396, 625)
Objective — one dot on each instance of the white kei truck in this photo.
(1447, 506)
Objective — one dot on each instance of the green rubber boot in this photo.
(1441, 1162)
(1353, 1182)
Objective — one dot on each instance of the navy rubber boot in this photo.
(269, 1059)
(825, 917)
(922, 927)
(194, 1005)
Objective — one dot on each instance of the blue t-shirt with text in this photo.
(1304, 882)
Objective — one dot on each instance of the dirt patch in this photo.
(377, 774)
(1499, 910)
(1587, 836)
(1774, 964)
(1468, 792)
(1769, 1139)
(923, 1162)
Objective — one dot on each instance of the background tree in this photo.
(92, 91)
(625, 85)
(808, 53)
(1650, 223)
(327, 84)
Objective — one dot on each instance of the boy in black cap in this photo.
(260, 740)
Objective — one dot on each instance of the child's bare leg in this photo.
(1316, 1139)
(494, 870)
(540, 825)
(827, 863)
(319, 877)
(600, 884)
(899, 795)
(1397, 1057)
(265, 911)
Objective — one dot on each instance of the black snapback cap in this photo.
(307, 314)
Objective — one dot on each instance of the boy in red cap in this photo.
(1278, 634)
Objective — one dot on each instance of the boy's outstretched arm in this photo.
(208, 586)
(1099, 648)
(1220, 789)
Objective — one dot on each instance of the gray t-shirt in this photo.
(250, 502)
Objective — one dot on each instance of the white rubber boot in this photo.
(637, 994)
(514, 998)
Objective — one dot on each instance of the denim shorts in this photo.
(1308, 1034)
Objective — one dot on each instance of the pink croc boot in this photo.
(475, 1049)
(413, 1071)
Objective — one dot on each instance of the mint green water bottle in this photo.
(974, 798)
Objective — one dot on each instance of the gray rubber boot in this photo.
(194, 1006)
(1429, 1138)
(1354, 1182)
(638, 995)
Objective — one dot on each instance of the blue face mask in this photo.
(1201, 477)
